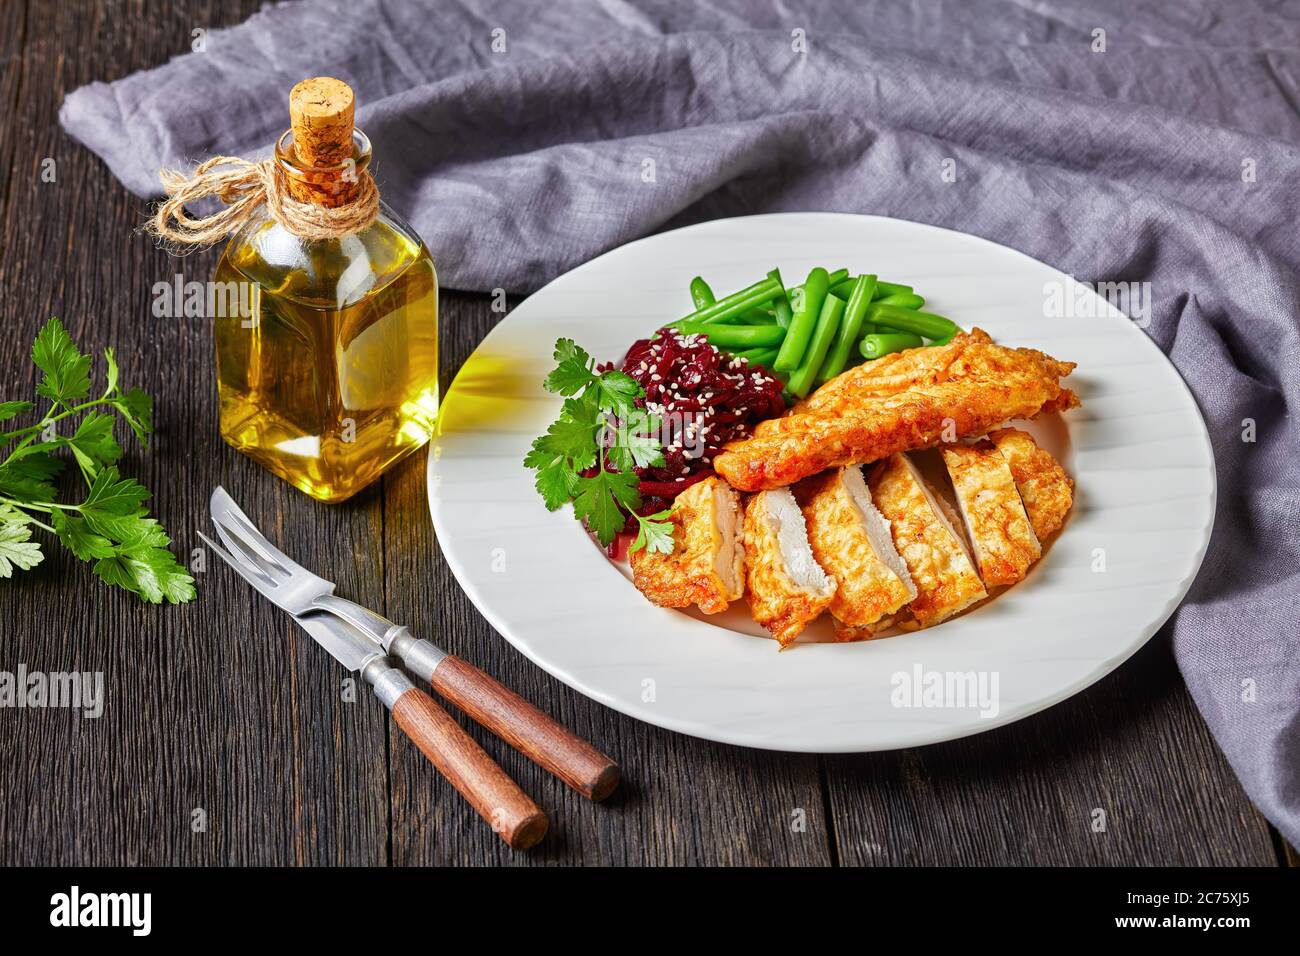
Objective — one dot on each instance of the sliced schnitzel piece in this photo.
(931, 547)
(852, 543)
(786, 587)
(996, 524)
(901, 402)
(1046, 490)
(707, 565)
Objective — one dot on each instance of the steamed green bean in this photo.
(855, 312)
(828, 323)
(902, 300)
(809, 333)
(804, 322)
(844, 288)
(764, 357)
(782, 311)
(734, 337)
(907, 320)
(891, 288)
(838, 277)
(733, 305)
(701, 294)
(883, 343)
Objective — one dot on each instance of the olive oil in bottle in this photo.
(334, 375)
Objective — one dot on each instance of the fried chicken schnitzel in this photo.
(897, 403)
(786, 587)
(999, 531)
(940, 567)
(707, 564)
(1045, 488)
(851, 541)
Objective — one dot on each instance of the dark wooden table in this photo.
(222, 707)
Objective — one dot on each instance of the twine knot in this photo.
(244, 187)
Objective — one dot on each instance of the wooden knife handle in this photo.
(530, 731)
(497, 798)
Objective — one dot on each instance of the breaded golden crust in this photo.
(775, 601)
(689, 575)
(945, 579)
(901, 402)
(845, 634)
(1046, 490)
(866, 589)
(1000, 534)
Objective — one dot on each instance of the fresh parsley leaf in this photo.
(573, 435)
(137, 408)
(11, 515)
(637, 440)
(655, 532)
(10, 410)
(34, 462)
(152, 573)
(93, 443)
(113, 371)
(23, 479)
(600, 502)
(556, 480)
(113, 506)
(618, 392)
(111, 527)
(625, 487)
(573, 372)
(599, 426)
(566, 349)
(17, 549)
(67, 371)
(569, 378)
(145, 533)
(77, 537)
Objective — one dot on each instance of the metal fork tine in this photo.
(240, 525)
(247, 555)
(251, 574)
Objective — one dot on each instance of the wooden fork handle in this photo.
(497, 798)
(530, 731)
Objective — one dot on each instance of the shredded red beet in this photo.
(705, 398)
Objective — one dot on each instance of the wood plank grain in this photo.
(223, 706)
(219, 706)
(682, 801)
(1132, 747)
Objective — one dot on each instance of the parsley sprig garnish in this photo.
(111, 525)
(600, 431)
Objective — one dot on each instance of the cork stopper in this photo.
(321, 114)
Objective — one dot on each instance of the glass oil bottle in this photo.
(333, 377)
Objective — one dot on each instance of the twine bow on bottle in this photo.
(244, 187)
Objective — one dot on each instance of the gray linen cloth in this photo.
(514, 137)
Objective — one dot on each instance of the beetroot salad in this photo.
(704, 398)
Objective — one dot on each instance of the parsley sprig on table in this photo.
(110, 526)
(588, 454)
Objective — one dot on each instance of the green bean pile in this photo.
(810, 333)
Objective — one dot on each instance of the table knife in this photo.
(496, 797)
(526, 728)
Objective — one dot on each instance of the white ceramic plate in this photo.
(1138, 451)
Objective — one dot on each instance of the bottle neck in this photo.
(330, 186)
